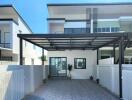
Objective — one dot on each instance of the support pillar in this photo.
(97, 56)
(21, 52)
(42, 56)
(121, 61)
(114, 56)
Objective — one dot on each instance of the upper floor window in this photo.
(107, 29)
(115, 29)
(76, 30)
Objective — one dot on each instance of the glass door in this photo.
(58, 66)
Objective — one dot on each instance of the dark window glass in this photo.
(95, 29)
(80, 63)
(112, 29)
(107, 29)
(104, 57)
(126, 61)
(103, 29)
(115, 29)
(99, 29)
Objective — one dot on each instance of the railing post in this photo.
(21, 51)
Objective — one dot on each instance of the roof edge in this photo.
(10, 5)
(88, 4)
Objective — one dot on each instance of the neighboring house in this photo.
(11, 23)
(86, 18)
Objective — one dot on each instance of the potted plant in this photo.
(43, 58)
(69, 69)
(91, 77)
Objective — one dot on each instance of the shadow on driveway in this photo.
(32, 97)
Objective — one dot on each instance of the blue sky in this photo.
(34, 12)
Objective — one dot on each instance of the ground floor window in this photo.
(58, 66)
(80, 63)
(127, 60)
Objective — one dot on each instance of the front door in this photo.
(58, 66)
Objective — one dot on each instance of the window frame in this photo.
(75, 67)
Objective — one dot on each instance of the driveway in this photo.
(71, 90)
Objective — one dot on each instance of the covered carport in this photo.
(95, 41)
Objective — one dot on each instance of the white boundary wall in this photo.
(109, 77)
(127, 82)
(17, 81)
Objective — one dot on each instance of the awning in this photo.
(89, 41)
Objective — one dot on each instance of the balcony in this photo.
(6, 58)
(5, 45)
(76, 30)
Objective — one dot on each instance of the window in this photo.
(128, 60)
(98, 29)
(107, 29)
(115, 29)
(105, 56)
(32, 61)
(80, 63)
(103, 30)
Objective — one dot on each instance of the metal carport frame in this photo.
(89, 41)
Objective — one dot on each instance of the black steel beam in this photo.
(70, 35)
(28, 40)
(107, 43)
(21, 51)
(68, 47)
(121, 61)
(0, 54)
(42, 56)
(97, 56)
(81, 38)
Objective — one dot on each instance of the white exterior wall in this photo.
(69, 16)
(71, 54)
(56, 27)
(75, 25)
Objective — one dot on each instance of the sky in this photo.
(35, 12)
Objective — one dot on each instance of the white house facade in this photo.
(11, 23)
(88, 41)
(87, 18)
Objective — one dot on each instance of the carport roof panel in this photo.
(90, 41)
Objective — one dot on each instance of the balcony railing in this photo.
(5, 45)
(6, 58)
(76, 30)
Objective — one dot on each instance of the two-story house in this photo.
(11, 23)
(86, 18)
